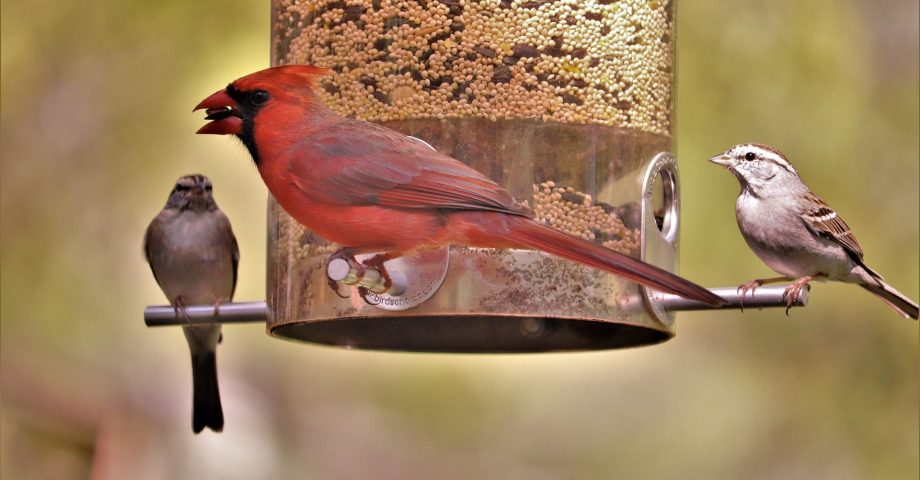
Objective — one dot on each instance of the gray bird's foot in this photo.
(217, 302)
(179, 308)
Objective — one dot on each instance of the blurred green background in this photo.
(96, 125)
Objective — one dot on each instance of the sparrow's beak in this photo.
(225, 119)
(722, 159)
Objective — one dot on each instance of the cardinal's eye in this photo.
(259, 97)
(749, 156)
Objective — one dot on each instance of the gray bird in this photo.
(794, 232)
(194, 256)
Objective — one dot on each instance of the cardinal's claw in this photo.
(364, 293)
(344, 254)
(376, 262)
(335, 287)
(360, 268)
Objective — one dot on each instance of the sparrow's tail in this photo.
(895, 299)
(206, 409)
(532, 235)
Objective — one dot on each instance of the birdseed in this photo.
(605, 62)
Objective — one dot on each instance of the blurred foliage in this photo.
(95, 126)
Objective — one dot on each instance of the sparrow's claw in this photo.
(794, 291)
(746, 287)
(754, 285)
(789, 296)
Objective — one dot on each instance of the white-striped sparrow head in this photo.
(194, 256)
(794, 232)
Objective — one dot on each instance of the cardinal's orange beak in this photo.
(225, 119)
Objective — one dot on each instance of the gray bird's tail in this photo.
(206, 409)
(895, 299)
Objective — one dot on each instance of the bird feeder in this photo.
(568, 105)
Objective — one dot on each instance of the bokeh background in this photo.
(96, 125)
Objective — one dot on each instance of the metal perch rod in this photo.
(248, 312)
(241, 312)
(763, 297)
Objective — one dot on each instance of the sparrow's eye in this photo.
(749, 156)
(208, 187)
(259, 97)
(182, 188)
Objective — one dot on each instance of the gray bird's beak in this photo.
(721, 159)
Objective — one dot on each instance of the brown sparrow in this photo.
(194, 256)
(794, 232)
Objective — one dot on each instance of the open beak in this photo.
(225, 119)
(721, 159)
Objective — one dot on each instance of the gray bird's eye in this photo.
(749, 156)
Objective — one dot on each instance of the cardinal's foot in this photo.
(376, 262)
(370, 287)
(368, 296)
(347, 255)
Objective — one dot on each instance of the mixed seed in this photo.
(579, 215)
(604, 62)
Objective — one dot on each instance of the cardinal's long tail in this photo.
(895, 299)
(529, 234)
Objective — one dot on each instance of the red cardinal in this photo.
(372, 189)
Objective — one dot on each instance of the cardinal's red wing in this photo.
(359, 163)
